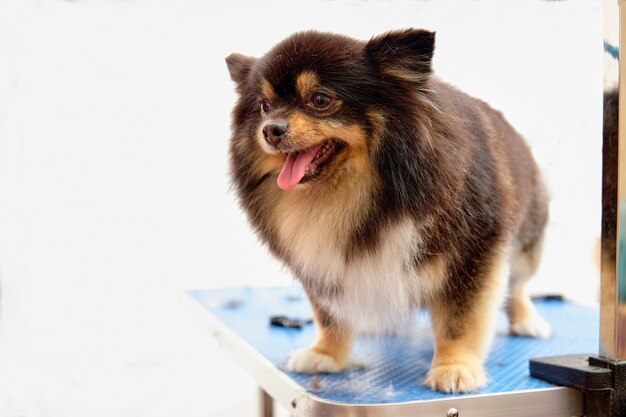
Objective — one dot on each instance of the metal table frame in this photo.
(613, 247)
(276, 386)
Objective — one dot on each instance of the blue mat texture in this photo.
(390, 369)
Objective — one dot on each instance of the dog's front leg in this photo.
(331, 349)
(464, 326)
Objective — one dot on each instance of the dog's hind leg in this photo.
(524, 319)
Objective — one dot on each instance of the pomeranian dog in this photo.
(384, 189)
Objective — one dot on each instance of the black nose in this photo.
(274, 132)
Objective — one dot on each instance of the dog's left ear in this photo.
(405, 54)
(239, 66)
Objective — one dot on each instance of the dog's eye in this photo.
(265, 106)
(320, 101)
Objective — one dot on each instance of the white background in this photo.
(114, 192)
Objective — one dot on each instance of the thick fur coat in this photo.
(383, 188)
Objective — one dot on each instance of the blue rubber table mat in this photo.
(391, 369)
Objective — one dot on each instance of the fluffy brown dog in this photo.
(383, 188)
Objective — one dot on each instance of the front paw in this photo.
(309, 361)
(456, 378)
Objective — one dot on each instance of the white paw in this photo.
(456, 378)
(308, 361)
(535, 327)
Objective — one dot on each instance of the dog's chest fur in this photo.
(373, 290)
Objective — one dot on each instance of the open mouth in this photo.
(304, 165)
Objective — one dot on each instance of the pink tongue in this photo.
(294, 167)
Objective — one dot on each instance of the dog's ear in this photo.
(405, 54)
(239, 65)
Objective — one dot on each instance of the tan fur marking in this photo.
(524, 264)
(377, 120)
(519, 307)
(332, 340)
(457, 364)
(306, 83)
(433, 276)
(353, 135)
(268, 90)
(407, 75)
(302, 131)
(474, 341)
(267, 164)
(306, 131)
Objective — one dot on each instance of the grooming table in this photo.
(385, 373)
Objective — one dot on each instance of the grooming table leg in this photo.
(266, 404)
